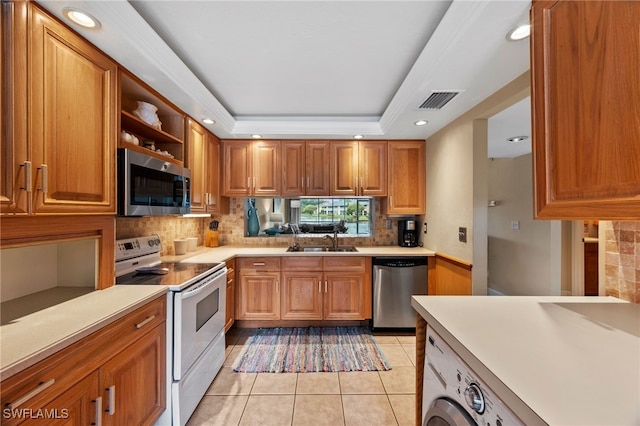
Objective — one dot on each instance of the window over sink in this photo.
(312, 216)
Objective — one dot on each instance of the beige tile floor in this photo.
(313, 399)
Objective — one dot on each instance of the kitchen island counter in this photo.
(26, 340)
(553, 360)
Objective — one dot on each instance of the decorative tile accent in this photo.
(622, 260)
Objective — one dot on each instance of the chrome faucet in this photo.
(334, 239)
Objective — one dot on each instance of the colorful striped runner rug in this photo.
(311, 349)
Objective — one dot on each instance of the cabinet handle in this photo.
(98, 402)
(361, 185)
(145, 322)
(27, 176)
(319, 286)
(26, 397)
(258, 263)
(207, 198)
(112, 400)
(254, 183)
(45, 178)
(249, 183)
(303, 181)
(325, 286)
(230, 281)
(230, 271)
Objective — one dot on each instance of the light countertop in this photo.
(558, 360)
(223, 253)
(26, 340)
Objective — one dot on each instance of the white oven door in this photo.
(199, 316)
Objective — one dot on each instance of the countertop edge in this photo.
(224, 253)
(40, 354)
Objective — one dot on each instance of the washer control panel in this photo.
(464, 386)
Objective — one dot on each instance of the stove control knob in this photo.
(474, 397)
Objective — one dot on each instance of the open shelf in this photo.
(150, 153)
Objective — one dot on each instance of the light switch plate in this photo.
(462, 234)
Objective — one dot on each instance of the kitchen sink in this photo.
(322, 249)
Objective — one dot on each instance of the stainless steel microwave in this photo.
(148, 186)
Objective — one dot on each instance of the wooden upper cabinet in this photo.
(197, 163)
(60, 144)
(266, 169)
(344, 168)
(585, 90)
(406, 177)
(236, 168)
(14, 198)
(372, 162)
(293, 168)
(251, 168)
(216, 203)
(317, 170)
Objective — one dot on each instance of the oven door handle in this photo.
(199, 289)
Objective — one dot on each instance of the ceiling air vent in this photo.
(437, 100)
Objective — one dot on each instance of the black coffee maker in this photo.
(407, 233)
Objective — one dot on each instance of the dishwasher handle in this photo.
(400, 262)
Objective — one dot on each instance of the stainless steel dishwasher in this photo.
(395, 279)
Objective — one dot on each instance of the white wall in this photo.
(457, 182)
(526, 261)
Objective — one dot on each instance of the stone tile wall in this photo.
(232, 229)
(622, 259)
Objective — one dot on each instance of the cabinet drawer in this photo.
(302, 263)
(344, 263)
(259, 263)
(50, 377)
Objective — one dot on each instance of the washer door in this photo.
(444, 412)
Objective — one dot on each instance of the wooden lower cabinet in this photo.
(326, 288)
(76, 406)
(132, 382)
(258, 290)
(230, 308)
(114, 376)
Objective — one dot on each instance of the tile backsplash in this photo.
(622, 259)
(231, 229)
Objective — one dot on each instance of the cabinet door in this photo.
(215, 202)
(258, 296)
(317, 170)
(293, 168)
(197, 163)
(230, 308)
(344, 298)
(133, 390)
(372, 164)
(302, 294)
(585, 96)
(266, 169)
(14, 197)
(407, 177)
(79, 405)
(73, 120)
(344, 168)
(236, 168)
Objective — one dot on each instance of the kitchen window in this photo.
(314, 216)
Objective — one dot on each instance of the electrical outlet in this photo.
(425, 228)
(387, 224)
(462, 235)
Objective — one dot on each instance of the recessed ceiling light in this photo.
(519, 32)
(517, 139)
(358, 136)
(256, 136)
(420, 122)
(208, 121)
(81, 18)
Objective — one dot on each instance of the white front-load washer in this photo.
(453, 395)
